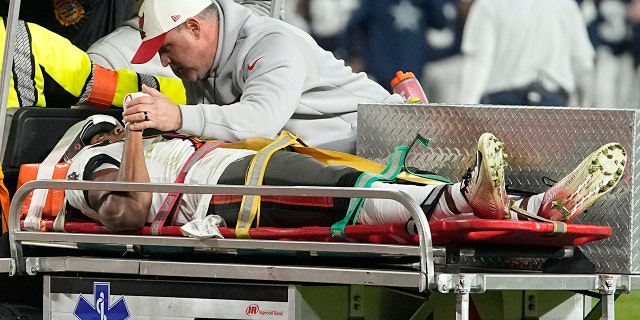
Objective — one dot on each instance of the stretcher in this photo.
(424, 257)
(386, 255)
(422, 251)
(511, 234)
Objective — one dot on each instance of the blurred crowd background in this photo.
(427, 37)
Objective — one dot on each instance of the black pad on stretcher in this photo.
(33, 133)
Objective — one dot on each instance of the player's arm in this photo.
(121, 210)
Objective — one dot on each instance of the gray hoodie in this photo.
(269, 76)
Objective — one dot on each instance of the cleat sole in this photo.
(595, 176)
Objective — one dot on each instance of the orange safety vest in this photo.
(4, 203)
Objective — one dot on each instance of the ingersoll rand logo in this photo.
(254, 310)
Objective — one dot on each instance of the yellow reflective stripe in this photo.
(13, 95)
(559, 227)
(65, 63)
(173, 89)
(127, 83)
(39, 83)
(250, 207)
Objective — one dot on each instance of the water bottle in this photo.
(406, 85)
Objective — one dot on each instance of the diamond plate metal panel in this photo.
(542, 142)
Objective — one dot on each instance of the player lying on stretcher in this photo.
(115, 153)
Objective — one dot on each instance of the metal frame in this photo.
(422, 278)
(7, 58)
(606, 287)
(6, 265)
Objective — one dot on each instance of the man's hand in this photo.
(156, 111)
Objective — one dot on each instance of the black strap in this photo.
(429, 204)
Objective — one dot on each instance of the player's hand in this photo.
(153, 111)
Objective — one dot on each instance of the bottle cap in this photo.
(401, 76)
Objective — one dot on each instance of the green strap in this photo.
(425, 143)
(396, 165)
(365, 180)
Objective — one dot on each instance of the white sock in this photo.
(386, 211)
(456, 208)
(459, 200)
(533, 204)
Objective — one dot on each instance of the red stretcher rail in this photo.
(423, 272)
(452, 232)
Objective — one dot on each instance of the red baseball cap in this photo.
(157, 18)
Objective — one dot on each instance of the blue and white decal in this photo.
(101, 309)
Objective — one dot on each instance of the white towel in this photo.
(204, 228)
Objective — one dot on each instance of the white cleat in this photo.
(484, 187)
(595, 176)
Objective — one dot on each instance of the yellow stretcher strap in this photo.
(250, 206)
(559, 227)
(333, 158)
